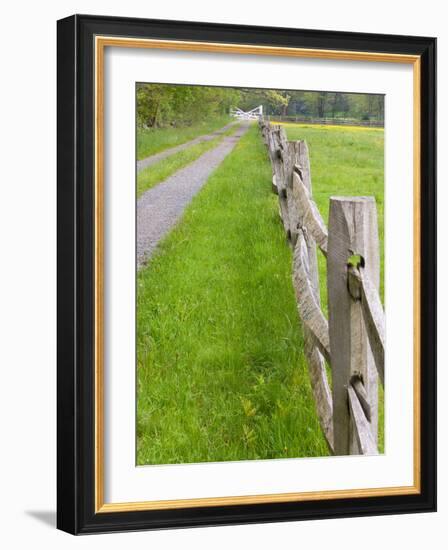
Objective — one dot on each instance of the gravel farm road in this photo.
(149, 161)
(159, 208)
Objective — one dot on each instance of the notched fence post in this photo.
(352, 232)
(277, 148)
(307, 288)
(353, 340)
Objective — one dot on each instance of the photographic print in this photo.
(234, 231)
(259, 244)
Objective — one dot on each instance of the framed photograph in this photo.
(246, 274)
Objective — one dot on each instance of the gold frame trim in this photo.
(101, 42)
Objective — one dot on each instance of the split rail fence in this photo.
(351, 341)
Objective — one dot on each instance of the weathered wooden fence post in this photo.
(297, 172)
(352, 239)
(278, 151)
(353, 341)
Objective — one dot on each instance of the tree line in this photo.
(162, 105)
(361, 107)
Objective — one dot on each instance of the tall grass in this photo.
(152, 141)
(345, 161)
(221, 371)
(154, 174)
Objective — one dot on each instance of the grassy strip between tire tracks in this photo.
(152, 141)
(156, 173)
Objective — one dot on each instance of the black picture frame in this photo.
(76, 265)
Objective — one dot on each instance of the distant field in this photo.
(345, 160)
(150, 142)
(221, 373)
(317, 126)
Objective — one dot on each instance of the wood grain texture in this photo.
(373, 314)
(314, 327)
(290, 158)
(309, 308)
(365, 439)
(361, 393)
(308, 211)
(352, 231)
(306, 285)
(302, 159)
(277, 145)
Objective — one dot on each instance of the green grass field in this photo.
(221, 371)
(344, 161)
(152, 175)
(150, 142)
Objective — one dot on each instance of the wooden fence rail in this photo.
(351, 342)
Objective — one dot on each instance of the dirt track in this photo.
(160, 207)
(148, 161)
